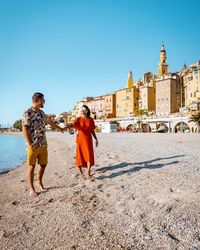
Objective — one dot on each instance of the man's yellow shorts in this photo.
(39, 154)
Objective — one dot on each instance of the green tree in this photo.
(143, 112)
(18, 125)
(114, 122)
(196, 118)
(61, 120)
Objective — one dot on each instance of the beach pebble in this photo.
(15, 203)
(148, 237)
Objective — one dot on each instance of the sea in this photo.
(12, 152)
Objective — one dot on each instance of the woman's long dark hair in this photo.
(88, 110)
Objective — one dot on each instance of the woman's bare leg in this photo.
(80, 172)
(89, 170)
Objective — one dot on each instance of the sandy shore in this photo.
(146, 195)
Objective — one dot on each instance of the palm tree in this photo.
(196, 118)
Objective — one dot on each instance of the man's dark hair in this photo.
(36, 96)
(88, 110)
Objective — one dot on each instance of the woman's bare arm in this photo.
(95, 137)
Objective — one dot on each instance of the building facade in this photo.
(127, 99)
(168, 88)
(147, 92)
(97, 107)
(191, 85)
(110, 105)
(76, 111)
(168, 94)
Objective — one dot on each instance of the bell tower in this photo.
(162, 66)
(130, 80)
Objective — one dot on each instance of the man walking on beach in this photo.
(33, 125)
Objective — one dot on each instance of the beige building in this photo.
(101, 107)
(168, 88)
(191, 85)
(127, 99)
(147, 92)
(110, 105)
(168, 94)
(98, 107)
(76, 111)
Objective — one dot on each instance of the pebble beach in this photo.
(145, 195)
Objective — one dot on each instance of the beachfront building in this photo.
(97, 107)
(76, 111)
(110, 105)
(147, 93)
(191, 85)
(168, 94)
(127, 99)
(168, 88)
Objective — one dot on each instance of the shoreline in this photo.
(11, 133)
(6, 170)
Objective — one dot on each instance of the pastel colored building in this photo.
(168, 88)
(191, 86)
(127, 99)
(147, 92)
(98, 107)
(110, 105)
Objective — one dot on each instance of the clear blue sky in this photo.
(70, 49)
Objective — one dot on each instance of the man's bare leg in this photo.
(40, 175)
(30, 180)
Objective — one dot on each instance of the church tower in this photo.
(130, 80)
(162, 66)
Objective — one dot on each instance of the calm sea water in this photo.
(12, 151)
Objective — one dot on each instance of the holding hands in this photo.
(68, 126)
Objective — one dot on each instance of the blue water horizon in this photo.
(12, 152)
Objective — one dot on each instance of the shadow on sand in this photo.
(135, 167)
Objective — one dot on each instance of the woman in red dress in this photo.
(84, 144)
